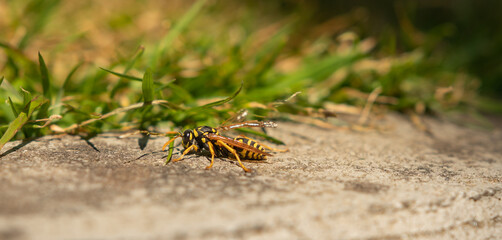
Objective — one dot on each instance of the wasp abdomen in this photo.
(245, 154)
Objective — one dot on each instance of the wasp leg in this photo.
(235, 154)
(211, 149)
(169, 142)
(184, 153)
(265, 146)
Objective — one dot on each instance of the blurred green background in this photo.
(94, 66)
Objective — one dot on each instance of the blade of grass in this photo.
(165, 85)
(170, 154)
(120, 83)
(140, 52)
(59, 107)
(20, 120)
(13, 107)
(44, 73)
(42, 10)
(92, 83)
(12, 92)
(13, 128)
(489, 105)
(1, 80)
(273, 46)
(122, 75)
(181, 92)
(147, 87)
(26, 97)
(178, 28)
(220, 102)
(297, 80)
(67, 79)
(12, 51)
(34, 104)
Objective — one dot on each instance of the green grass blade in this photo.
(42, 10)
(13, 107)
(178, 28)
(44, 73)
(165, 85)
(181, 93)
(34, 104)
(13, 128)
(273, 46)
(67, 79)
(59, 107)
(135, 59)
(489, 105)
(11, 91)
(12, 51)
(120, 83)
(307, 74)
(147, 87)
(122, 75)
(26, 97)
(1, 80)
(170, 154)
(209, 105)
(181, 25)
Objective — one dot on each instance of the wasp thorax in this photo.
(187, 138)
(207, 129)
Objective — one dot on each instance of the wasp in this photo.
(209, 139)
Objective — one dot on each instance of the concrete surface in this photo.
(333, 184)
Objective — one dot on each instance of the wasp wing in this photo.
(234, 143)
(252, 123)
(237, 118)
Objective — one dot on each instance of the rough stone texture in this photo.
(332, 184)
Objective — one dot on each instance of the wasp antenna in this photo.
(169, 142)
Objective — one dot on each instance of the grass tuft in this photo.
(210, 62)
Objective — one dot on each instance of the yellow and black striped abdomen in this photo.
(249, 155)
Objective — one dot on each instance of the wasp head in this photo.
(187, 138)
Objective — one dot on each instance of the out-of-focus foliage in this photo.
(456, 36)
(107, 65)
